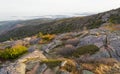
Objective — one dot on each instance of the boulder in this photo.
(31, 64)
(87, 72)
(41, 69)
(51, 45)
(92, 40)
(49, 71)
(103, 53)
(27, 39)
(18, 42)
(36, 55)
(35, 41)
(32, 48)
(14, 68)
(62, 72)
(73, 41)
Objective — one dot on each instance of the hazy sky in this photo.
(51, 7)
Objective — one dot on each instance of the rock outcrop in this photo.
(104, 61)
(19, 66)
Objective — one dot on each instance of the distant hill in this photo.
(64, 25)
(6, 26)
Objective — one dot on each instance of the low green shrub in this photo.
(12, 53)
(88, 49)
(115, 19)
(95, 24)
(52, 62)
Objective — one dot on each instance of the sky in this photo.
(20, 8)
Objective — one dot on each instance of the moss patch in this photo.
(52, 62)
(88, 49)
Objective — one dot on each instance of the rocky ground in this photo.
(45, 58)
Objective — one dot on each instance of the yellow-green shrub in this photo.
(13, 52)
(46, 38)
(52, 62)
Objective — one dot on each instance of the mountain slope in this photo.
(6, 26)
(64, 25)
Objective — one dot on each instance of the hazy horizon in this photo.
(54, 16)
(19, 8)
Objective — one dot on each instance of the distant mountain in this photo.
(33, 20)
(6, 25)
(10, 25)
(54, 16)
(64, 25)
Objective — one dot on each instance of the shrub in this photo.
(46, 38)
(39, 34)
(66, 51)
(95, 24)
(12, 53)
(88, 49)
(114, 19)
(52, 62)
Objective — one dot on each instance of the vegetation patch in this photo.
(114, 19)
(95, 24)
(112, 27)
(52, 62)
(73, 52)
(13, 52)
(88, 49)
(46, 38)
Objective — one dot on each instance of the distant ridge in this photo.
(64, 25)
